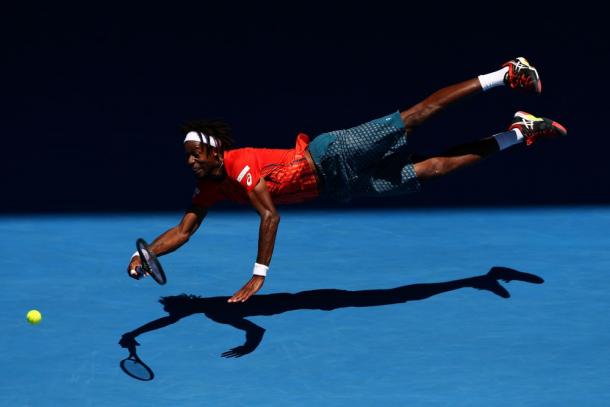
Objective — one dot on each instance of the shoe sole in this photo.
(562, 130)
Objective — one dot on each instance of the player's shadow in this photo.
(219, 310)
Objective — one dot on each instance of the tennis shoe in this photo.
(533, 127)
(521, 75)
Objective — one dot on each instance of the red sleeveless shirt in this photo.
(287, 173)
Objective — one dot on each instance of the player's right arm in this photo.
(173, 238)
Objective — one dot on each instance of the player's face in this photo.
(205, 162)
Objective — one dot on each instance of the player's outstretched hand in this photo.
(236, 352)
(128, 341)
(132, 268)
(247, 291)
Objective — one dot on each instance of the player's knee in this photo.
(418, 114)
(411, 118)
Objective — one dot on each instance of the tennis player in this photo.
(370, 160)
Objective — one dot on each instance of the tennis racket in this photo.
(134, 367)
(150, 264)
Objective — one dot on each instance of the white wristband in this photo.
(260, 270)
(135, 254)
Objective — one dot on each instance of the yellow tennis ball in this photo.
(34, 317)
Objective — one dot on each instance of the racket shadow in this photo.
(132, 365)
(219, 310)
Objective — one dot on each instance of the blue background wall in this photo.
(92, 98)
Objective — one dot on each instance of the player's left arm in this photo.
(260, 198)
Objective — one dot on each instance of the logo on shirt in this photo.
(243, 173)
(196, 192)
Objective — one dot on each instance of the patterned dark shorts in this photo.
(365, 161)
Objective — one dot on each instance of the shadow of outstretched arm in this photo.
(128, 340)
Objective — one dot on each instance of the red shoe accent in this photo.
(561, 129)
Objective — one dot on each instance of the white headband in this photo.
(199, 137)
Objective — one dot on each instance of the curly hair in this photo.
(211, 127)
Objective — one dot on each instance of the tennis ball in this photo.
(34, 317)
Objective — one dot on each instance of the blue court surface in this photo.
(360, 308)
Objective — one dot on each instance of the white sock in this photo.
(491, 80)
(508, 138)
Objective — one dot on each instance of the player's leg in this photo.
(516, 74)
(458, 157)
(525, 128)
(419, 113)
